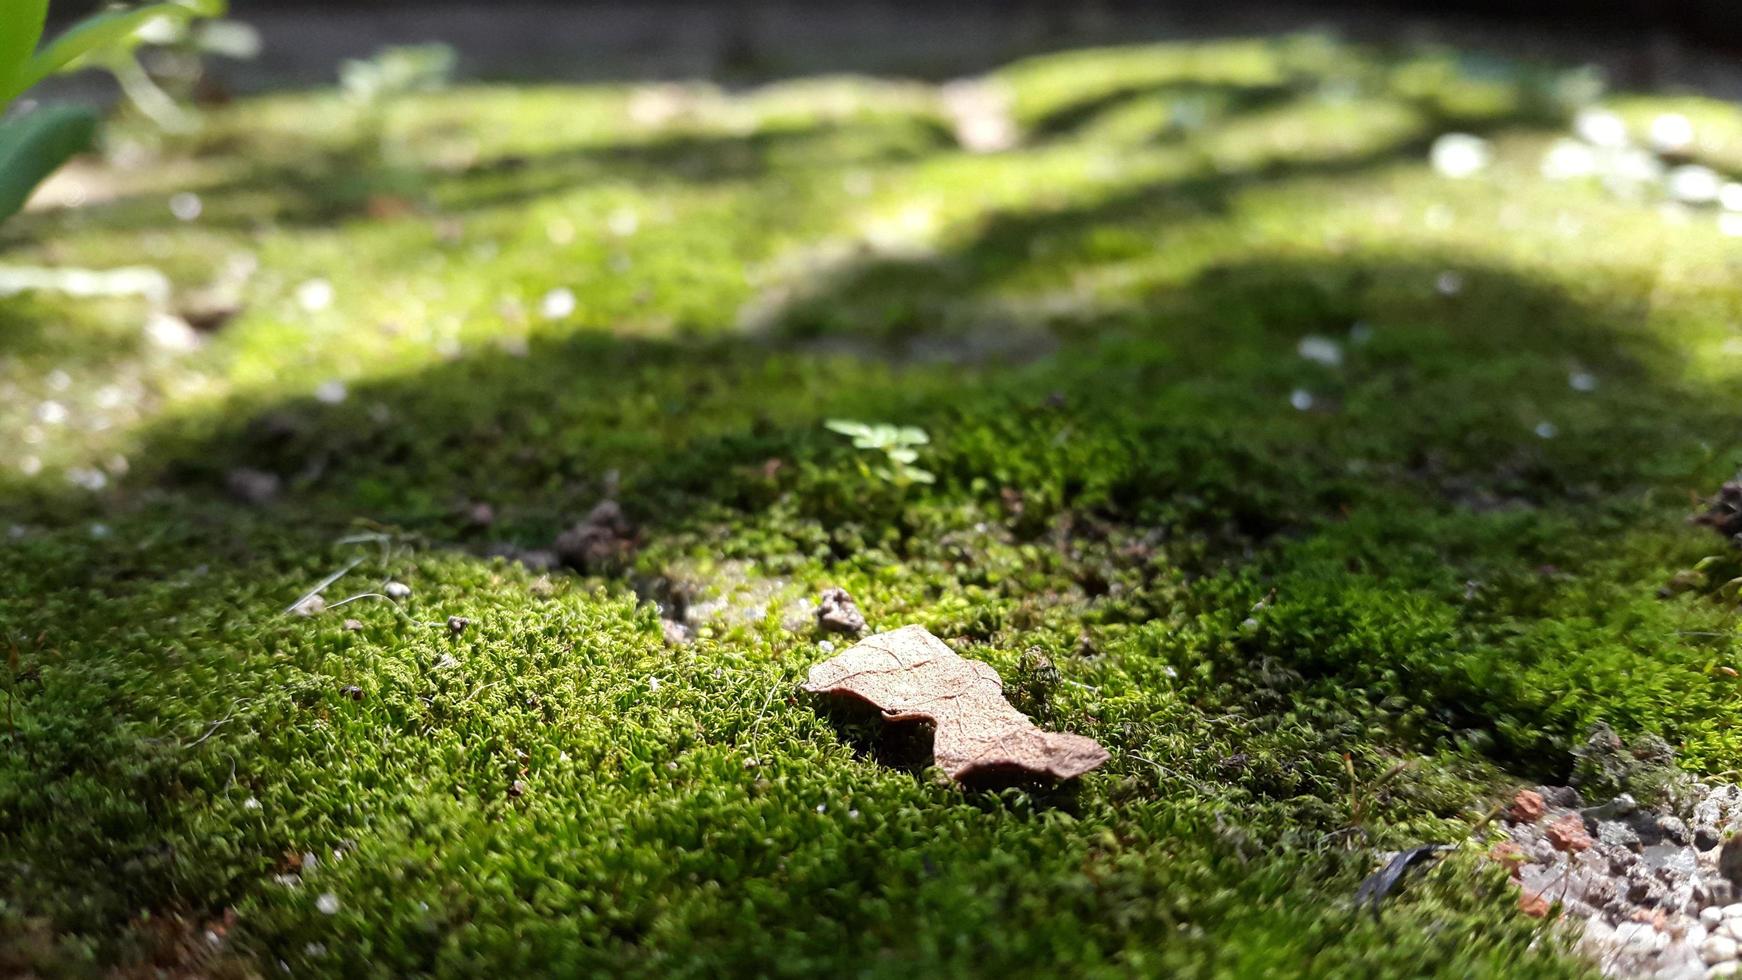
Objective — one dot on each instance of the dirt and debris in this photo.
(458, 624)
(1723, 512)
(838, 613)
(911, 675)
(1647, 881)
(600, 543)
(254, 487)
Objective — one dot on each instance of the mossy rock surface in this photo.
(1315, 611)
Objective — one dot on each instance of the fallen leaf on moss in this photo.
(910, 675)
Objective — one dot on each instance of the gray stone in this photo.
(1614, 833)
(1730, 861)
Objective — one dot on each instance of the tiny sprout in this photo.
(896, 443)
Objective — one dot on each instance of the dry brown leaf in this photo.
(910, 675)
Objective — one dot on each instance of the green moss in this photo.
(1449, 560)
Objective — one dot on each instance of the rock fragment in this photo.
(838, 613)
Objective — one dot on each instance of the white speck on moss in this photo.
(1600, 127)
(1460, 155)
(1582, 381)
(1320, 350)
(315, 295)
(328, 903)
(557, 304)
(1301, 399)
(1546, 430)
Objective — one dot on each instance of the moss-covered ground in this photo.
(1315, 611)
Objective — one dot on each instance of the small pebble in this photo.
(314, 295)
(328, 903)
(1301, 399)
(185, 206)
(1546, 430)
(557, 304)
(1718, 949)
(1320, 350)
(314, 605)
(1460, 155)
(396, 590)
(1449, 284)
(458, 624)
(1733, 911)
(331, 392)
(354, 625)
(1582, 381)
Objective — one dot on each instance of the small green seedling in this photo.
(33, 145)
(894, 442)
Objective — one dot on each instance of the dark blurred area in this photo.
(1638, 43)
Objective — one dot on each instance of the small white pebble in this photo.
(1733, 911)
(653, 684)
(396, 590)
(328, 903)
(623, 222)
(315, 950)
(87, 478)
(822, 808)
(100, 531)
(1546, 430)
(314, 605)
(331, 392)
(1449, 284)
(171, 332)
(186, 206)
(1460, 155)
(1671, 132)
(51, 413)
(1320, 350)
(852, 814)
(1600, 127)
(1569, 160)
(1582, 381)
(315, 295)
(557, 304)
(250, 804)
(1301, 399)
(826, 646)
(1711, 915)
(1693, 184)
(310, 863)
(1718, 949)
(1171, 672)
(213, 939)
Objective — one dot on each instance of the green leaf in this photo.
(903, 455)
(848, 427)
(102, 32)
(918, 475)
(20, 30)
(910, 436)
(31, 147)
